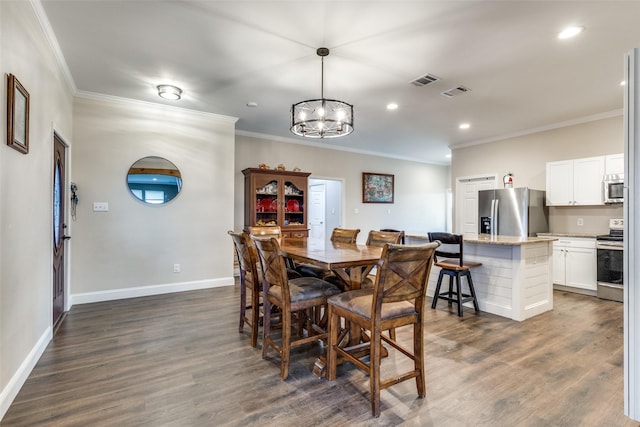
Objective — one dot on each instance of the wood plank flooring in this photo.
(178, 360)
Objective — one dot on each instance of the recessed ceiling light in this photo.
(169, 92)
(392, 106)
(570, 32)
(464, 126)
(623, 83)
(448, 156)
(252, 104)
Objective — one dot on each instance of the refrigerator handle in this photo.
(492, 219)
(494, 228)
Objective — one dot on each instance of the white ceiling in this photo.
(224, 54)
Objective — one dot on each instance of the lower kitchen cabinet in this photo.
(574, 262)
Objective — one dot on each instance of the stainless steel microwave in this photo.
(613, 188)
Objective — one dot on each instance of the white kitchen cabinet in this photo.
(575, 182)
(614, 164)
(574, 262)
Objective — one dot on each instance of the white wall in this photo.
(420, 189)
(526, 158)
(25, 195)
(131, 249)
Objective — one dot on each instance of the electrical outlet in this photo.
(580, 221)
(100, 206)
(356, 211)
(176, 268)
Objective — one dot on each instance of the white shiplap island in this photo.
(515, 279)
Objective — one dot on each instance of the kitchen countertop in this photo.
(495, 240)
(585, 235)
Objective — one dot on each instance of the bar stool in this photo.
(453, 266)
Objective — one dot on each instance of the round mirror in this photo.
(154, 180)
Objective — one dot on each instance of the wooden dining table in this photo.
(351, 262)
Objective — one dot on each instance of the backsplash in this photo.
(595, 219)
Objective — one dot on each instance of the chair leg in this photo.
(436, 294)
(374, 372)
(285, 345)
(243, 301)
(255, 316)
(450, 289)
(418, 354)
(266, 326)
(472, 291)
(459, 295)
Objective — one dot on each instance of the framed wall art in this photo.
(377, 188)
(17, 115)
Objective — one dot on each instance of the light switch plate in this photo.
(100, 206)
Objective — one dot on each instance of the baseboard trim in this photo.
(18, 379)
(143, 291)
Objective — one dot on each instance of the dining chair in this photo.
(274, 231)
(303, 296)
(450, 260)
(397, 299)
(338, 235)
(250, 280)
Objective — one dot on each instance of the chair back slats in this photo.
(274, 270)
(452, 246)
(398, 231)
(403, 273)
(266, 230)
(245, 251)
(344, 235)
(380, 238)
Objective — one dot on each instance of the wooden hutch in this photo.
(274, 197)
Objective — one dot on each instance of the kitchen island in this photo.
(515, 279)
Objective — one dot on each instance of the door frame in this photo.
(341, 198)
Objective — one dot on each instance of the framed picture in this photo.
(17, 115)
(377, 188)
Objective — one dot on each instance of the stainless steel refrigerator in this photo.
(512, 212)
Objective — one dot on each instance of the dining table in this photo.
(351, 262)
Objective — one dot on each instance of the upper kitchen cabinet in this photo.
(614, 164)
(575, 182)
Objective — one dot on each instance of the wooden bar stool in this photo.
(453, 265)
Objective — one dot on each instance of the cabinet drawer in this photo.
(572, 242)
(296, 233)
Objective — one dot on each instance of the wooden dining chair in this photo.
(250, 281)
(338, 235)
(380, 238)
(397, 299)
(450, 260)
(274, 231)
(304, 296)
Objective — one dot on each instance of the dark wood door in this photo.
(59, 228)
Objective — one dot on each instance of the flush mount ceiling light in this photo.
(169, 92)
(322, 118)
(569, 32)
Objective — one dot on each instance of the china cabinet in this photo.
(273, 197)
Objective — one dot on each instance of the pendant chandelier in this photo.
(322, 118)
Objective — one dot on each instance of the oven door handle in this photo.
(609, 247)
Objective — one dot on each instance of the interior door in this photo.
(59, 228)
(317, 212)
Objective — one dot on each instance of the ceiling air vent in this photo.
(456, 91)
(425, 80)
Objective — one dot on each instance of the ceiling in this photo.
(225, 54)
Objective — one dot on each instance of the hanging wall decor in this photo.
(377, 188)
(17, 115)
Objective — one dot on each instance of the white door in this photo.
(317, 212)
(467, 201)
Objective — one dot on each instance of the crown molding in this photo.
(36, 5)
(586, 119)
(119, 100)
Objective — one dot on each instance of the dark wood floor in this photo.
(178, 360)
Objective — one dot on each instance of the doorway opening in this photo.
(325, 208)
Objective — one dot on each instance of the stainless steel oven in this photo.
(610, 251)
